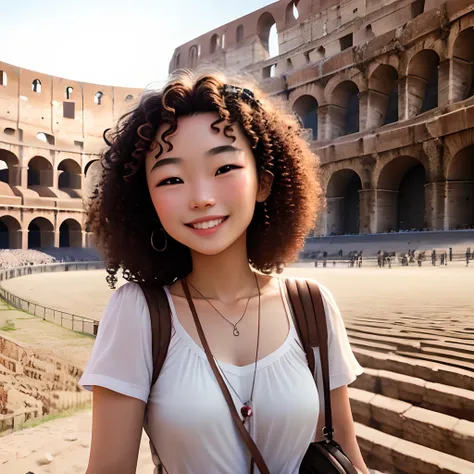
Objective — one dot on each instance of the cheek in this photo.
(166, 205)
(241, 186)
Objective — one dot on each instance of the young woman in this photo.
(210, 182)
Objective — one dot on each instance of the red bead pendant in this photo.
(246, 412)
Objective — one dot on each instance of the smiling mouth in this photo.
(207, 224)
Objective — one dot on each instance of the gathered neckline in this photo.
(226, 366)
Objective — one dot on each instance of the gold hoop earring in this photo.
(165, 244)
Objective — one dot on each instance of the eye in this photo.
(170, 182)
(227, 168)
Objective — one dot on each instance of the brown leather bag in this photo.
(310, 321)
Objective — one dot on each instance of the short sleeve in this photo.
(121, 358)
(343, 366)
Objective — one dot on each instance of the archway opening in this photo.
(460, 190)
(306, 107)
(9, 169)
(40, 234)
(463, 65)
(10, 233)
(423, 82)
(92, 173)
(345, 109)
(343, 203)
(70, 234)
(383, 87)
(69, 176)
(268, 34)
(40, 172)
(401, 195)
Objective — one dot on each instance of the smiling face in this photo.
(204, 190)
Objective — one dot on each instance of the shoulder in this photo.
(126, 303)
(326, 294)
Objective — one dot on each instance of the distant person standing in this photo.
(433, 258)
(450, 254)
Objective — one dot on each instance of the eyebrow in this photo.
(212, 152)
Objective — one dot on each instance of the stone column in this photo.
(435, 197)
(415, 94)
(444, 82)
(56, 237)
(24, 177)
(368, 211)
(376, 109)
(324, 124)
(23, 237)
(387, 210)
(403, 98)
(363, 109)
(460, 204)
(461, 77)
(334, 215)
(84, 239)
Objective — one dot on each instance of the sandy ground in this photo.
(423, 293)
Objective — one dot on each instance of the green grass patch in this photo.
(8, 326)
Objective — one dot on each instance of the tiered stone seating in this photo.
(414, 405)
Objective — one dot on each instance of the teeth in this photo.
(208, 224)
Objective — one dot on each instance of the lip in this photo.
(206, 219)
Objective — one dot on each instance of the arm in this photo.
(117, 422)
(343, 424)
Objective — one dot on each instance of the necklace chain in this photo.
(256, 349)
(236, 332)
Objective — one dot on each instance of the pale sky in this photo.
(111, 42)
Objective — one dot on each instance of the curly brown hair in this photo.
(122, 216)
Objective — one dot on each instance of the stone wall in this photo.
(33, 385)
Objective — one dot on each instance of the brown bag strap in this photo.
(254, 451)
(308, 308)
(160, 317)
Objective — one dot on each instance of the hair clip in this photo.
(245, 94)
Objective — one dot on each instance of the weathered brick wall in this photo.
(34, 384)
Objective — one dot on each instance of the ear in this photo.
(264, 186)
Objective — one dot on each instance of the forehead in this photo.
(195, 134)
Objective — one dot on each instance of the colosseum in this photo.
(385, 91)
(50, 138)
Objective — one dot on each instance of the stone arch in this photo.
(266, 27)
(215, 43)
(401, 195)
(10, 233)
(383, 96)
(343, 202)
(344, 112)
(70, 234)
(177, 59)
(40, 175)
(36, 86)
(3, 78)
(239, 34)
(9, 169)
(193, 56)
(306, 107)
(422, 82)
(69, 176)
(291, 14)
(40, 233)
(460, 189)
(92, 173)
(463, 65)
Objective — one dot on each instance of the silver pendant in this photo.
(236, 331)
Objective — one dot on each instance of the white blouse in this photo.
(188, 419)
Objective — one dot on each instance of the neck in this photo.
(226, 276)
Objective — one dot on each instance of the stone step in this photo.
(388, 453)
(439, 359)
(434, 430)
(454, 401)
(375, 346)
(424, 369)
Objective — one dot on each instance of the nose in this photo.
(202, 199)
